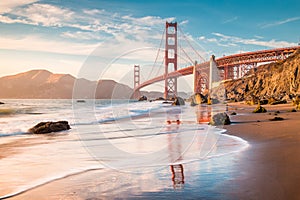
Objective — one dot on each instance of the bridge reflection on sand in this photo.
(203, 115)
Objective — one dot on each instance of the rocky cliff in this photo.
(275, 80)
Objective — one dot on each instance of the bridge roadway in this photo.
(230, 61)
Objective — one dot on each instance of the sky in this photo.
(104, 39)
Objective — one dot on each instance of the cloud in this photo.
(147, 20)
(184, 22)
(277, 23)
(93, 11)
(230, 20)
(8, 5)
(45, 14)
(225, 40)
(34, 43)
(79, 35)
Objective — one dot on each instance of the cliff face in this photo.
(276, 80)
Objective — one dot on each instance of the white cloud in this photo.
(277, 23)
(8, 20)
(233, 41)
(230, 20)
(8, 5)
(45, 14)
(93, 11)
(147, 20)
(79, 35)
(184, 22)
(34, 43)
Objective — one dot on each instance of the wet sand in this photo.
(268, 169)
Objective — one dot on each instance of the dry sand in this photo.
(268, 169)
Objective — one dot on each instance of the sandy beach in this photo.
(267, 169)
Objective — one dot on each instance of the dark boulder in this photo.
(220, 119)
(1, 103)
(160, 99)
(49, 127)
(276, 119)
(178, 101)
(143, 98)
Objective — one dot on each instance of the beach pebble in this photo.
(49, 127)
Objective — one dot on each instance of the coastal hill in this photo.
(42, 84)
(274, 80)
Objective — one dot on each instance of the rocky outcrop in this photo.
(279, 80)
(178, 101)
(49, 127)
(259, 109)
(197, 99)
(296, 102)
(220, 119)
(143, 98)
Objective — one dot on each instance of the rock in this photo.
(178, 101)
(80, 101)
(259, 109)
(276, 119)
(159, 99)
(1, 103)
(273, 101)
(220, 119)
(193, 104)
(293, 110)
(143, 98)
(233, 113)
(49, 127)
(296, 102)
(263, 102)
(198, 98)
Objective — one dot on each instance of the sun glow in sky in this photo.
(104, 39)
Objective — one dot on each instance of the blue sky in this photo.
(104, 39)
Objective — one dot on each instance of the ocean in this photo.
(115, 136)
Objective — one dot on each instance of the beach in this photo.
(270, 168)
(267, 169)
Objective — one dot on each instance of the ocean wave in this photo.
(42, 182)
(13, 134)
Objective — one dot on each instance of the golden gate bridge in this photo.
(216, 69)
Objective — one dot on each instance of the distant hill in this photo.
(42, 84)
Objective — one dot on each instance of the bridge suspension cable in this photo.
(157, 55)
(184, 36)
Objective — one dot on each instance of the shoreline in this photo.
(268, 169)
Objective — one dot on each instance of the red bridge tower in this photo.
(170, 60)
(136, 92)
